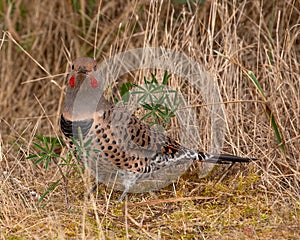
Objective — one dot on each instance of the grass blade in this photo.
(48, 190)
(269, 112)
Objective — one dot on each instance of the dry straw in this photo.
(251, 48)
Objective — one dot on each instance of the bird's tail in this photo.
(223, 158)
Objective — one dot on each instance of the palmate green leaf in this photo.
(57, 141)
(160, 101)
(146, 116)
(46, 146)
(38, 146)
(136, 92)
(161, 113)
(87, 143)
(32, 156)
(153, 79)
(165, 114)
(138, 87)
(158, 89)
(67, 160)
(154, 98)
(147, 106)
(152, 82)
(47, 162)
(174, 105)
(54, 155)
(83, 147)
(143, 92)
(149, 92)
(41, 159)
(154, 117)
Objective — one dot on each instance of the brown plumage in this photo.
(122, 151)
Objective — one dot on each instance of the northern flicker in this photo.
(122, 152)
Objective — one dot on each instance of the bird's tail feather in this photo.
(223, 158)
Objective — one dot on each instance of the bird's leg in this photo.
(94, 187)
(123, 195)
(129, 181)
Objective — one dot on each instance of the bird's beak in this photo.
(82, 69)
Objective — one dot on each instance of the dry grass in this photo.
(257, 201)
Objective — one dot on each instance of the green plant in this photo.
(48, 148)
(159, 102)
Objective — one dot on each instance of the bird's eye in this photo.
(72, 66)
(95, 68)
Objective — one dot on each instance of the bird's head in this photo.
(83, 68)
(84, 94)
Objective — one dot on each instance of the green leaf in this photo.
(276, 129)
(38, 146)
(42, 158)
(146, 116)
(166, 78)
(48, 190)
(155, 99)
(257, 85)
(32, 156)
(47, 163)
(153, 79)
(125, 88)
(269, 112)
(146, 106)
